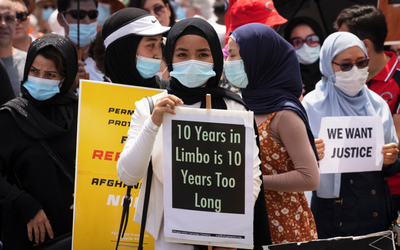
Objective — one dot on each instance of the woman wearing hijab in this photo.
(306, 37)
(350, 204)
(195, 61)
(39, 132)
(132, 39)
(265, 67)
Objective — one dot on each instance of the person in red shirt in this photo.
(369, 24)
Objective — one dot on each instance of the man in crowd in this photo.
(369, 24)
(13, 59)
(68, 19)
(22, 40)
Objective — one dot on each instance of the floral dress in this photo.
(290, 217)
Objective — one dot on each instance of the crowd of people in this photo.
(235, 53)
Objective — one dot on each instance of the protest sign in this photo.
(105, 112)
(208, 177)
(352, 144)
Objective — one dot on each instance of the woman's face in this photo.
(150, 47)
(302, 31)
(192, 47)
(44, 68)
(350, 55)
(158, 9)
(233, 50)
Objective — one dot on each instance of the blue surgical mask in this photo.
(234, 72)
(41, 89)
(192, 73)
(104, 12)
(147, 67)
(181, 13)
(308, 55)
(46, 13)
(87, 32)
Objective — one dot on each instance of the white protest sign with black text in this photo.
(208, 177)
(352, 144)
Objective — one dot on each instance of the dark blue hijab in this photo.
(273, 72)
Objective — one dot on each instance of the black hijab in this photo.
(52, 117)
(200, 27)
(310, 74)
(120, 56)
(6, 91)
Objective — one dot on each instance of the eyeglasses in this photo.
(159, 10)
(92, 14)
(311, 40)
(348, 66)
(22, 16)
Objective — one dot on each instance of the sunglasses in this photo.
(159, 10)
(92, 14)
(21, 16)
(311, 40)
(348, 66)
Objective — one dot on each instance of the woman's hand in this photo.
(320, 145)
(72, 206)
(390, 153)
(39, 224)
(163, 105)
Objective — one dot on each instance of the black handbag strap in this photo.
(145, 204)
(127, 199)
(57, 159)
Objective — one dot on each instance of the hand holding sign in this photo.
(163, 105)
(390, 153)
(320, 145)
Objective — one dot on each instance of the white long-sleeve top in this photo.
(145, 141)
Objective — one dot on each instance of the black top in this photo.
(31, 179)
(6, 91)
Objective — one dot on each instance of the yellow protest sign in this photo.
(105, 112)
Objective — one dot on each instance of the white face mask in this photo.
(308, 55)
(351, 82)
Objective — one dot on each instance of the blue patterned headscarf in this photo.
(273, 72)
